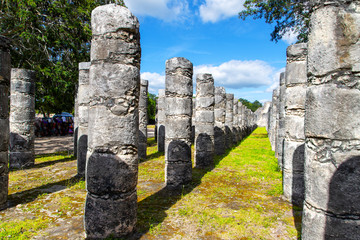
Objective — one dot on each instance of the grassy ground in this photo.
(240, 198)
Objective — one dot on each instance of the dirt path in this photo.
(55, 144)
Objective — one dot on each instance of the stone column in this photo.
(179, 92)
(273, 118)
(332, 123)
(83, 101)
(112, 158)
(193, 121)
(229, 118)
(293, 161)
(235, 121)
(5, 72)
(22, 117)
(161, 117)
(219, 125)
(76, 123)
(281, 123)
(143, 119)
(240, 120)
(204, 118)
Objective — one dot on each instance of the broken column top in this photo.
(220, 91)
(296, 52)
(145, 82)
(230, 96)
(173, 64)
(111, 18)
(204, 77)
(84, 65)
(282, 78)
(23, 74)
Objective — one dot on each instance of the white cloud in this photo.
(216, 10)
(275, 80)
(239, 74)
(290, 37)
(234, 74)
(156, 81)
(167, 10)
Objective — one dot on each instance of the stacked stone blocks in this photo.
(112, 158)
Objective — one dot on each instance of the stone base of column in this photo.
(317, 224)
(21, 160)
(114, 216)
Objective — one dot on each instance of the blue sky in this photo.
(209, 33)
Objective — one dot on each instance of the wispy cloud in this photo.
(290, 37)
(275, 80)
(156, 81)
(166, 10)
(216, 10)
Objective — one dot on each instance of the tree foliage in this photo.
(289, 16)
(50, 37)
(151, 108)
(253, 106)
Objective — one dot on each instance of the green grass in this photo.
(240, 198)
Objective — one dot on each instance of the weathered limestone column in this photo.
(112, 158)
(193, 121)
(5, 72)
(143, 119)
(229, 118)
(179, 92)
(240, 120)
(273, 118)
(22, 117)
(332, 123)
(295, 93)
(83, 101)
(235, 121)
(219, 125)
(281, 124)
(204, 118)
(76, 122)
(161, 118)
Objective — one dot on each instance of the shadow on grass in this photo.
(45, 164)
(152, 210)
(31, 194)
(151, 157)
(151, 142)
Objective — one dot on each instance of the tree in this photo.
(50, 37)
(290, 16)
(253, 106)
(151, 108)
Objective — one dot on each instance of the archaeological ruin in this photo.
(312, 124)
(22, 118)
(112, 156)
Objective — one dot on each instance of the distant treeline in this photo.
(253, 106)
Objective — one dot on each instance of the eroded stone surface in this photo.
(22, 117)
(112, 157)
(178, 92)
(219, 125)
(5, 72)
(332, 146)
(83, 101)
(204, 119)
(161, 117)
(143, 119)
(294, 139)
(229, 118)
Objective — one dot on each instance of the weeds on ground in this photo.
(237, 199)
